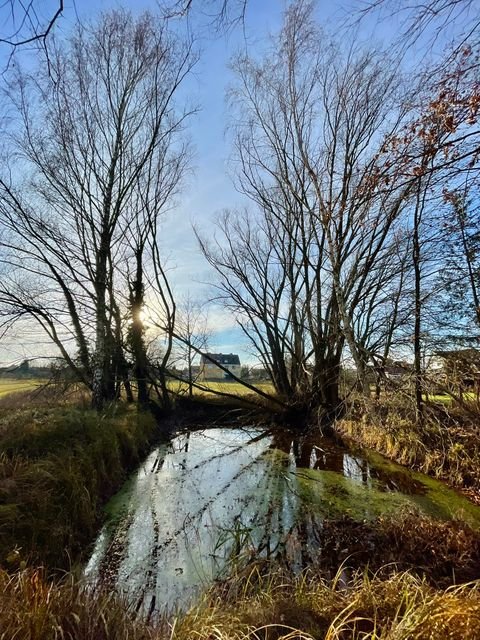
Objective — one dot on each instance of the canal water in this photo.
(210, 499)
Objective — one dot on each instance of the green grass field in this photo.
(446, 399)
(12, 385)
(234, 388)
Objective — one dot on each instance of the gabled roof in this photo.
(222, 358)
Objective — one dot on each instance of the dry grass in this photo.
(447, 446)
(32, 608)
(14, 385)
(399, 607)
(257, 606)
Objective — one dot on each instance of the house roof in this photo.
(221, 358)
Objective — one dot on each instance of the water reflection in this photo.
(209, 496)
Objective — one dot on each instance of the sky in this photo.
(209, 188)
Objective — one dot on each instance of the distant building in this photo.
(209, 369)
(397, 370)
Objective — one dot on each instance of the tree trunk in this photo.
(416, 258)
(137, 331)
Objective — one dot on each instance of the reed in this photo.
(265, 606)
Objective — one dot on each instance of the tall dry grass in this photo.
(446, 445)
(258, 606)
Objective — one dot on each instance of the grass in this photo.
(446, 446)
(58, 466)
(353, 598)
(446, 399)
(14, 385)
(234, 388)
(281, 606)
(258, 605)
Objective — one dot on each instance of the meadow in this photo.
(212, 387)
(14, 385)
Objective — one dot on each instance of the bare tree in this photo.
(310, 128)
(148, 291)
(193, 333)
(92, 141)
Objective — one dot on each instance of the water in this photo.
(210, 498)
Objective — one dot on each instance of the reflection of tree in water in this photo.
(310, 452)
(292, 526)
(307, 452)
(266, 496)
(179, 445)
(193, 525)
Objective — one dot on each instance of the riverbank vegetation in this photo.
(274, 607)
(445, 444)
(58, 467)
(264, 601)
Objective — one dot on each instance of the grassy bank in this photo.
(58, 466)
(446, 446)
(270, 607)
(264, 601)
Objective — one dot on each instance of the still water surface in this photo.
(198, 501)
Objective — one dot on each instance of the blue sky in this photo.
(209, 189)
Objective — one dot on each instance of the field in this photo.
(13, 385)
(233, 388)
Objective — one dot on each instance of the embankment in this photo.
(58, 467)
(444, 446)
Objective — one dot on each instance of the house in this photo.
(397, 370)
(209, 370)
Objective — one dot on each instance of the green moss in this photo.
(333, 495)
(437, 500)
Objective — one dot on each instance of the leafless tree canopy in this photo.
(457, 19)
(311, 271)
(220, 13)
